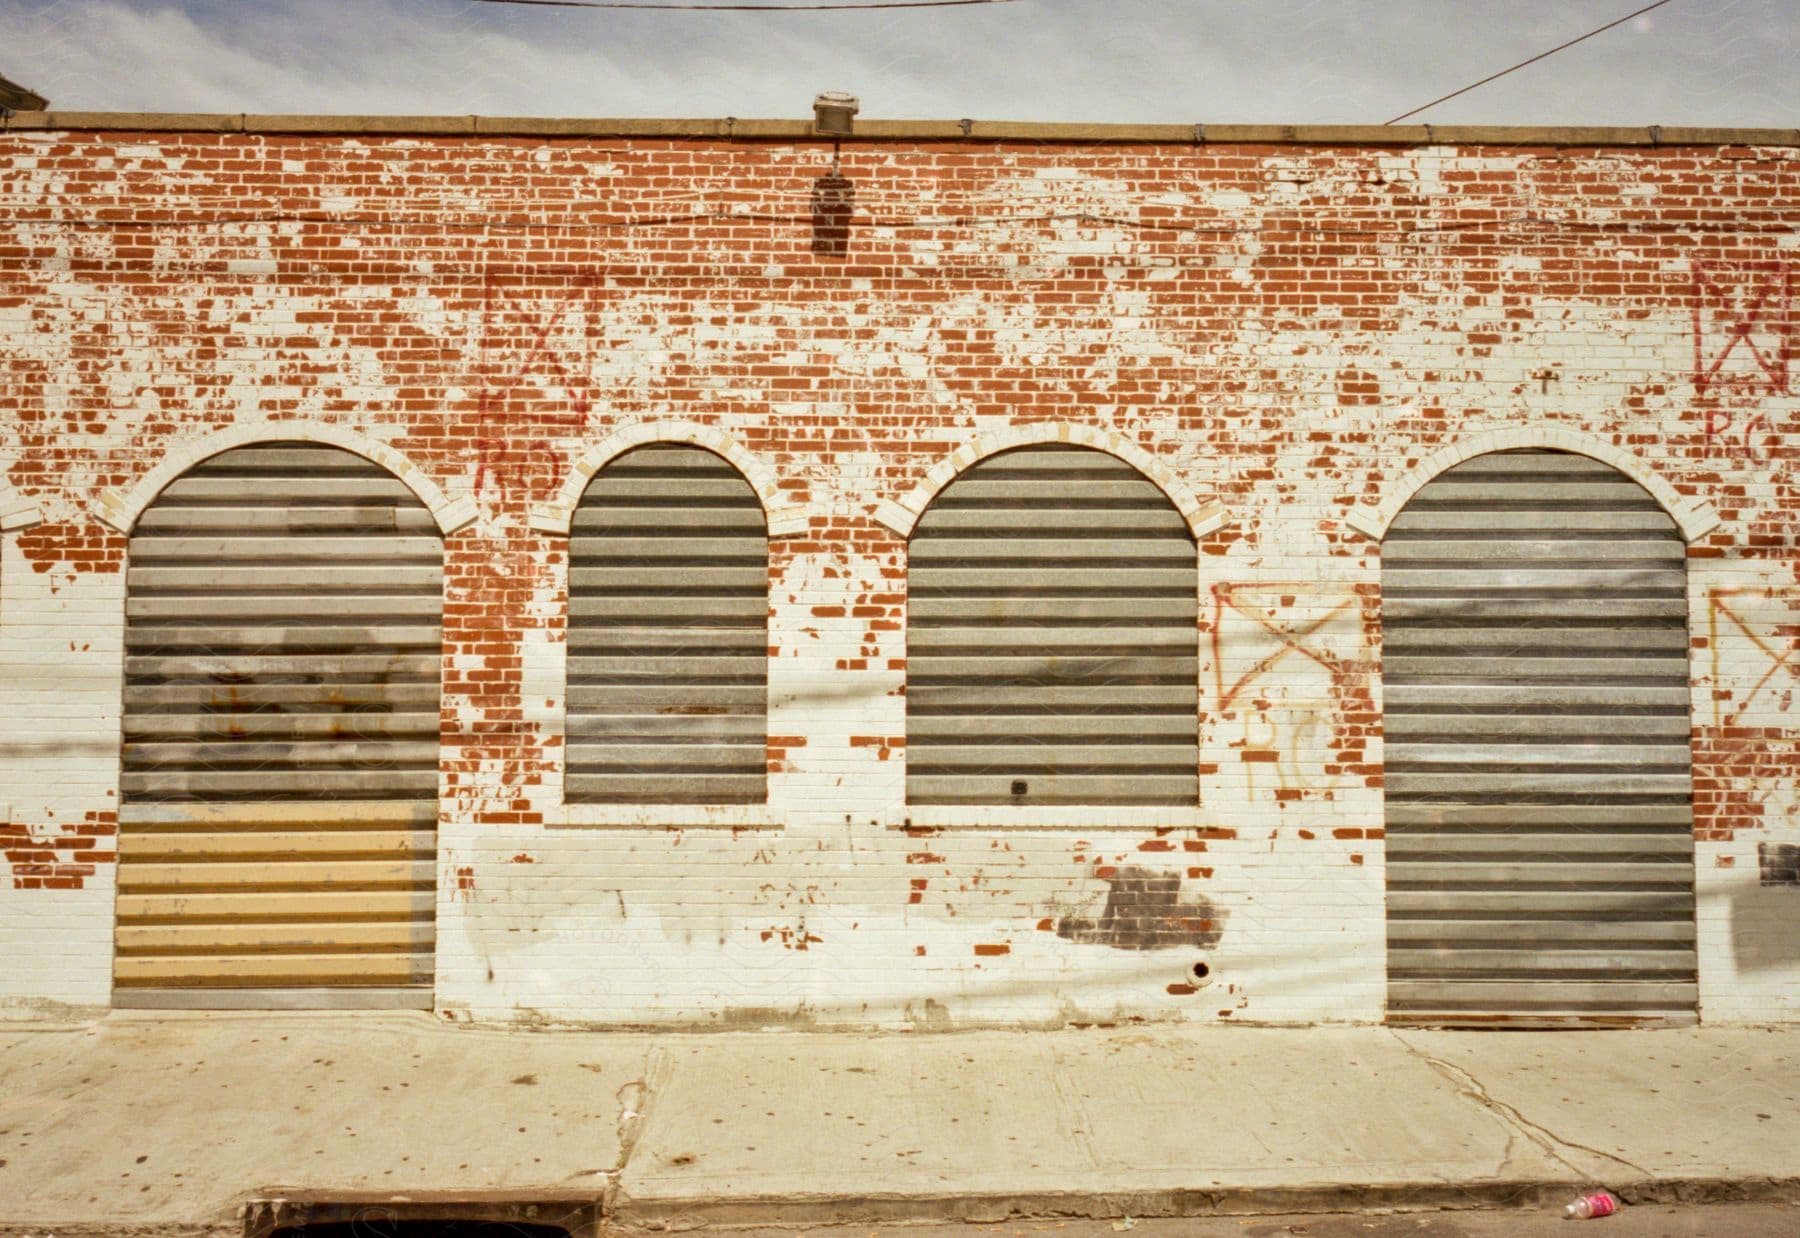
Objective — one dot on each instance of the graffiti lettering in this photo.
(1721, 432)
(1295, 660)
(1292, 640)
(1743, 313)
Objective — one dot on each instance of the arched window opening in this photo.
(667, 697)
(1052, 638)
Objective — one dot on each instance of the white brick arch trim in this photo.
(120, 508)
(785, 519)
(901, 515)
(17, 512)
(1694, 518)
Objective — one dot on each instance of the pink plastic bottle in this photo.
(1599, 1204)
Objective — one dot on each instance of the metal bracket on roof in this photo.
(966, 125)
(1200, 134)
(1656, 135)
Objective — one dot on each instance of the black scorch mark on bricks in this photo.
(1779, 864)
(1144, 910)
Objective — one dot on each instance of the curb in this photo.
(673, 1215)
(587, 1216)
(103, 1229)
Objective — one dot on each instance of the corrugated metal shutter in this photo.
(668, 634)
(279, 798)
(1052, 638)
(1539, 819)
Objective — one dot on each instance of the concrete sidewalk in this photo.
(172, 1123)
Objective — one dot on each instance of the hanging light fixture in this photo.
(834, 113)
(16, 98)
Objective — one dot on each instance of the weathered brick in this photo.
(1300, 335)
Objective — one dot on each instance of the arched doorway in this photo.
(278, 804)
(1539, 815)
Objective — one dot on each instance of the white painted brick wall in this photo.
(804, 912)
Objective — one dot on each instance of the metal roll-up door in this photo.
(278, 806)
(668, 634)
(1052, 638)
(1539, 820)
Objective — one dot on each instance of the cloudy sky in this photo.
(1691, 62)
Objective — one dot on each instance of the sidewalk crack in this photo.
(633, 1098)
(1546, 1139)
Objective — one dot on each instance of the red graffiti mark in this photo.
(1778, 659)
(1350, 717)
(533, 377)
(1743, 772)
(518, 340)
(515, 464)
(1751, 306)
(1722, 430)
(1293, 640)
(505, 458)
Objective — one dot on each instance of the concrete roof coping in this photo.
(904, 130)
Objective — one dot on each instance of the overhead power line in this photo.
(746, 8)
(1540, 56)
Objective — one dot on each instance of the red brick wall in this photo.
(1288, 329)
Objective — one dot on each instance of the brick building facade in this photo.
(1288, 334)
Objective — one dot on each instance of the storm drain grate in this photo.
(390, 1228)
(462, 1217)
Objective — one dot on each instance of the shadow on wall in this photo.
(833, 202)
(1765, 921)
